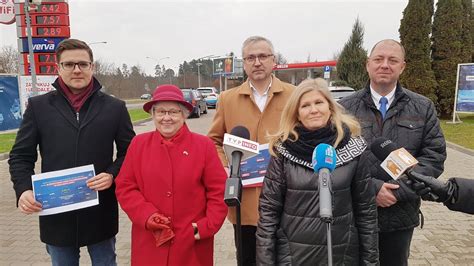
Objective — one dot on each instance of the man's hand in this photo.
(385, 197)
(100, 182)
(27, 203)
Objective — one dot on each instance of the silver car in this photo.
(340, 92)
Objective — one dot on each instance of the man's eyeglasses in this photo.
(261, 57)
(172, 112)
(69, 66)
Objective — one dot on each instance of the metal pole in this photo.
(329, 243)
(31, 56)
(220, 83)
(239, 236)
(199, 75)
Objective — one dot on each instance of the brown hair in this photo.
(72, 44)
(289, 117)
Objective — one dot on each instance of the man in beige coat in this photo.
(257, 105)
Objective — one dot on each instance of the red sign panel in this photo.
(41, 69)
(46, 8)
(40, 31)
(306, 65)
(46, 20)
(41, 58)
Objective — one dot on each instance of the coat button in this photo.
(168, 194)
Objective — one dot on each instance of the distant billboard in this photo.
(464, 100)
(223, 66)
(10, 116)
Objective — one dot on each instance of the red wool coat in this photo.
(182, 179)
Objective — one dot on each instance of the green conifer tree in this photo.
(467, 32)
(415, 29)
(447, 51)
(472, 33)
(353, 58)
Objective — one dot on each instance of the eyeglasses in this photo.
(261, 57)
(172, 112)
(69, 66)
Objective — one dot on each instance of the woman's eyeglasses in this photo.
(172, 112)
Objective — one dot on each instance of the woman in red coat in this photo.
(171, 186)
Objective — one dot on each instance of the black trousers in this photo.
(248, 244)
(394, 247)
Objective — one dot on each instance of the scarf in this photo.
(308, 140)
(76, 100)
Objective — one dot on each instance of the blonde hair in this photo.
(289, 117)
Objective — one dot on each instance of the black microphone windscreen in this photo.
(382, 147)
(240, 131)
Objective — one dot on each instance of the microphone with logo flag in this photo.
(237, 147)
(395, 161)
(324, 162)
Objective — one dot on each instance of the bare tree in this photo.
(280, 59)
(9, 60)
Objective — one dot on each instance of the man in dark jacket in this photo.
(385, 109)
(74, 125)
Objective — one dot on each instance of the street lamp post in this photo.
(158, 61)
(199, 75)
(199, 64)
(102, 42)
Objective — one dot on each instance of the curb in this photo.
(139, 122)
(4, 156)
(460, 148)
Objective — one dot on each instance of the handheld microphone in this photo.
(324, 162)
(237, 147)
(395, 162)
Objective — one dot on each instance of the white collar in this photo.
(255, 91)
(376, 97)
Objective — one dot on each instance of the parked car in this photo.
(145, 96)
(194, 97)
(210, 96)
(340, 92)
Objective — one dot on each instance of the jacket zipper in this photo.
(77, 117)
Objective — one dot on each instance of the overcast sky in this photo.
(186, 30)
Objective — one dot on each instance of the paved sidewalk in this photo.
(446, 239)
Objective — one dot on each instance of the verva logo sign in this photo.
(7, 11)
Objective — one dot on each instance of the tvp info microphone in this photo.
(324, 162)
(237, 147)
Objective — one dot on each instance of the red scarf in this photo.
(76, 100)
